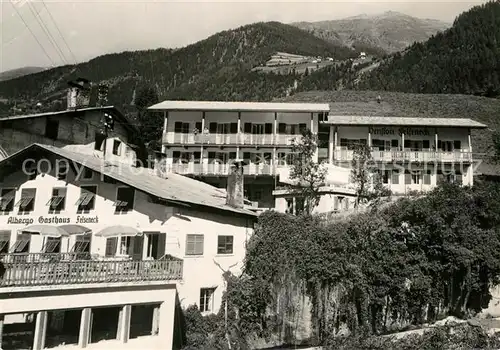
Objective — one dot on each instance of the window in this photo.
(99, 141)
(416, 176)
(58, 200)
(61, 171)
(82, 244)
(299, 206)
(27, 202)
(86, 202)
(289, 205)
(126, 245)
(116, 147)
(22, 244)
(385, 176)
(156, 244)
(124, 199)
(427, 177)
(111, 245)
(7, 200)
(87, 174)
(4, 241)
(52, 245)
(395, 177)
(51, 129)
(225, 245)
(207, 299)
(194, 244)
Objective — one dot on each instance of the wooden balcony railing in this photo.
(229, 139)
(221, 169)
(411, 156)
(89, 271)
(42, 257)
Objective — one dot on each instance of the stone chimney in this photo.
(235, 195)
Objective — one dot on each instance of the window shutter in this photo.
(178, 127)
(395, 177)
(162, 241)
(138, 245)
(211, 155)
(407, 178)
(268, 128)
(232, 155)
(246, 155)
(427, 178)
(198, 126)
(248, 128)
(111, 244)
(197, 155)
(440, 145)
(213, 128)
(457, 145)
(395, 143)
(176, 154)
(302, 127)
(426, 144)
(282, 128)
(407, 144)
(233, 128)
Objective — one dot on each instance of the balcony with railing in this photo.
(219, 169)
(42, 257)
(21, 274)
(228, 139)
(408, 156)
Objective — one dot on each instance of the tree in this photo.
(309, 174)
(366, 176)
(150, 123)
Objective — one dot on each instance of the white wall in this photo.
(199, 272)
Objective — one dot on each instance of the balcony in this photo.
(15, 258)
(89, 271)
(228, 139)
(408, 156)
(221, 169)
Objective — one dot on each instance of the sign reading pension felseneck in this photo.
(407, 131)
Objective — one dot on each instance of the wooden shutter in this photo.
(233, 128)
(162, 241)
(138, 247)
(213, 128)
(247, 128)
(427, 178)
(282, 128)
(178, 127)
(407, 178)
(111, 244)
(395, 177)
(268, 128)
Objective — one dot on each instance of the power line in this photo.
(47, 32)
(59, 31)
(33, 34)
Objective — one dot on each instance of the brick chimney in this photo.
(235, 195)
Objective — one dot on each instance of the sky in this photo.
(50, 33)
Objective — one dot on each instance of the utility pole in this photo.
(224, 274)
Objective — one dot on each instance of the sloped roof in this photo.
(176, 189)
(122, 119)
(240, 106)
(397, 121)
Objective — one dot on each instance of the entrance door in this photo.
(138, 248)
(156, 245)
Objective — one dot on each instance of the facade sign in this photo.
(54, 220)
(385, 131)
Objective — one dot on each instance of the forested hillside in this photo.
(214, 68)
(463, 59)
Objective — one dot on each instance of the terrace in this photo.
(176, 138)
(38, 270)
(342, 154)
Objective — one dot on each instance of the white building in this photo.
(112, 222)
(413, 154)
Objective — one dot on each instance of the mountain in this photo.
(215, 68)
(463, 59)
(19, 72)
(385, 33)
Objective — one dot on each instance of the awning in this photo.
(118, 230)
(76, 229)
(44, 230)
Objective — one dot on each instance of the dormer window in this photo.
(125, 197)
(117, 147)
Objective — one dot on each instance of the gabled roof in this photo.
(355, 120)
(175, 189)
(120, 117)
(240, 106)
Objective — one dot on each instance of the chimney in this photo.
(235, 196)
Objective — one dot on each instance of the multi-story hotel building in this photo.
(413, 154)
(107, 245)
(202, 138)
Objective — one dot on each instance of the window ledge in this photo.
(224, 255)
(193, 256)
